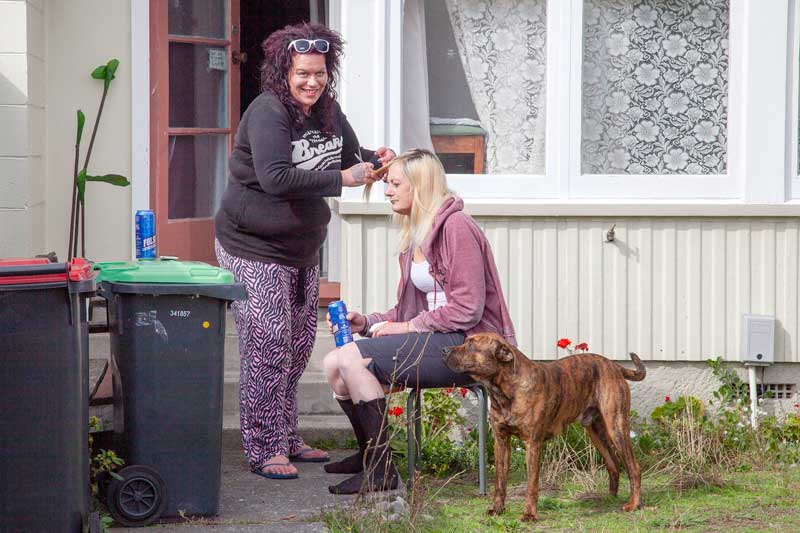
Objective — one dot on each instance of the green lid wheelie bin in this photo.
(44, 389)
(167, 328)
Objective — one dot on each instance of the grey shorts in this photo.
(413, 359)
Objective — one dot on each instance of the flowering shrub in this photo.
(671, 410)
(440, 418)
(396, 411)
(685, 437)
(565, 344)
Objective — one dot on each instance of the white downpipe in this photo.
(140, 112)
(751, 375)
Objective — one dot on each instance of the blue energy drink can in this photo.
(341, 327)
(145, 234)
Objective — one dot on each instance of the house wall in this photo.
(22, 137)
(82, 34)
(667, 288)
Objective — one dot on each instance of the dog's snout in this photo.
(446, 351)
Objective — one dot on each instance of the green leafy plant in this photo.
(77, 230)
(732, 399)
(440, 417)
(732, 389)
(670, 410)
(101, 461)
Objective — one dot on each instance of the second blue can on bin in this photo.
(342, 334)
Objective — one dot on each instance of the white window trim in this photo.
(761, 57)
(648, 186)
(792, 103)
(757, 137)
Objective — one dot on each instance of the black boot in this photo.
(354, 463)
(380, 473)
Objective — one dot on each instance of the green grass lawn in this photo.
(743, 501)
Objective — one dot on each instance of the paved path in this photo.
(252, 503)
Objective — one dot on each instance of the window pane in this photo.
(197, 172)
(198, 86)
(197, 18)
(487, 63)
(655, 87)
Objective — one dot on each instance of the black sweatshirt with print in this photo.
(274, 207)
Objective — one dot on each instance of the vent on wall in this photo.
(776, 391)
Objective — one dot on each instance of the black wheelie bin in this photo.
(44, 382)
(167, 328)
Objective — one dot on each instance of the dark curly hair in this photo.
(278, 61)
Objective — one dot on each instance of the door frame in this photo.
(198, 244)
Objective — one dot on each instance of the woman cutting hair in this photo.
(294, 147)
(449, 288)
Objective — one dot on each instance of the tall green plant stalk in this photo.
(81, 121)
(77, 221)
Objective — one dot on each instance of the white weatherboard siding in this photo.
(667, 288)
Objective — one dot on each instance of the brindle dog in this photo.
(536, 401)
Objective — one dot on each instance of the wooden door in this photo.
(194, 112)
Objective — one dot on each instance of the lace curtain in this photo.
(655, 86)
(502, 48)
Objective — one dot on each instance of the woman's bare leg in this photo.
(360, 383)
(331, 366)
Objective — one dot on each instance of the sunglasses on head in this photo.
(303, 46)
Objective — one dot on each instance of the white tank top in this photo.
(423, 281)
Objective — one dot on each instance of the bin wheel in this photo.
(139, 498)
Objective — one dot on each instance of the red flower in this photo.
(584, 347)
(396, 411)
(463, 392)
(563, 343)
(449, 390)
(666, 399)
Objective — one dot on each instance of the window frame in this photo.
(793, 102)
(661, 186)
(758, 167)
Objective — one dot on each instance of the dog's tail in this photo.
(634, 375)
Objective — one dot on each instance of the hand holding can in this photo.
(337, 312)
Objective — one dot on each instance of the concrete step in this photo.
(313, 396)
(312, 428)
(99, 346)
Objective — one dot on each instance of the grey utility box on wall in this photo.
(758, 339)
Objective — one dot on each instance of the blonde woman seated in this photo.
(449, 288)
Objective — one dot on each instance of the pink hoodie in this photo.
(461, 261)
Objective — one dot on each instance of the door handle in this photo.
(238, 57)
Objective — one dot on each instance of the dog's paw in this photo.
(530, 517)
(630, 506)
(495, 511)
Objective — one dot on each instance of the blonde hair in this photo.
(429, 186)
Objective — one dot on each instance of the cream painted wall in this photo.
(22, 108)
(82, 34)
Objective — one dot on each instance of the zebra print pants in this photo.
(276, 327)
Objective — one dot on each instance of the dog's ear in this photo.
(504, 352)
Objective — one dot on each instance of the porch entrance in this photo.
(204, 72)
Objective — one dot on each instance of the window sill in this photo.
(592, 208)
